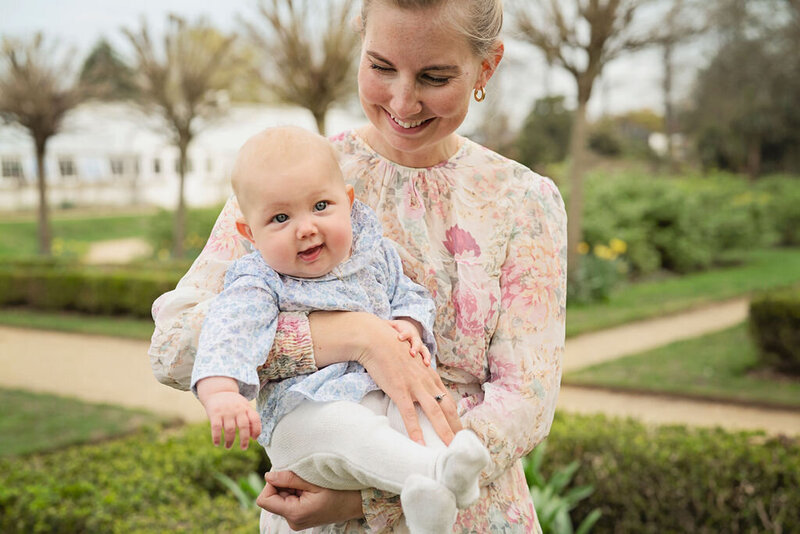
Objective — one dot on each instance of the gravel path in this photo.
(117, 371)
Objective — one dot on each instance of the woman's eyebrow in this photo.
(378, 57)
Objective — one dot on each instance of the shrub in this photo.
(675, 480)
(775, 326)
(54, 286)
(544, 137)
(157, 481)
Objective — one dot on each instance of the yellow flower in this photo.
(604, 253)
(163, 254)
(618, 245)
(583, 248)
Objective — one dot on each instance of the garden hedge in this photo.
(674, 480)
(665, 480)
(775, 326)
(93, 290)
(157, 481)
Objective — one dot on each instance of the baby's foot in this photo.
(459, 466)
(428, 506)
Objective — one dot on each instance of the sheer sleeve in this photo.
(179, 314)
(525, 352)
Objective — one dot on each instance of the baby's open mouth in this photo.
(310, 253)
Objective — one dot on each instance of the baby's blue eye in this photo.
(321, 205)
(280, 218)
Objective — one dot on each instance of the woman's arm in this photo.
(525, 352)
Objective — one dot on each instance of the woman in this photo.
(484, 234)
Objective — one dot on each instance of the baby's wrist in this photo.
(213, 385)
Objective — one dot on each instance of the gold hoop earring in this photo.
(479, 94)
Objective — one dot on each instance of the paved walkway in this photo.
(105, 369)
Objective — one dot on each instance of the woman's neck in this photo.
(423, 158)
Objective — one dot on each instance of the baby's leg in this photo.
(459, 465)
(344, 445)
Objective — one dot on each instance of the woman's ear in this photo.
(350, 193)
(489, 65)
(244, 230)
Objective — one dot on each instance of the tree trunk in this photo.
(179, 230)
(577, 150)
(45, 235)
(669, 114)
(319, 117)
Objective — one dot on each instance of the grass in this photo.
(36, 422)
(74, 232)
(760, 270)
(126, 327)
(722, 366)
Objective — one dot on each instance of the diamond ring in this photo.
(439, 397)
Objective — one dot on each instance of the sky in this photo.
(628, 84)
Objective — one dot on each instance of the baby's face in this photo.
(300, 216)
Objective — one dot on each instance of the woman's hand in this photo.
(305, 505)
(371, 341)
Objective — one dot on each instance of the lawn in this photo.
(128, 327)
(759, 270)
(722, 366)
(72, 232)
(35, 422)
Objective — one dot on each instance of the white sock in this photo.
(428, 506)
(459, 466)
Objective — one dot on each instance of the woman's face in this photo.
(415, 79)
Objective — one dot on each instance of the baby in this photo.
(318, 249)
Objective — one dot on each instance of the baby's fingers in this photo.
(229, 425)
(243, 422)
(426, 355)
(216, 430)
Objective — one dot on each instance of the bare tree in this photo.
(676, 28)
(38, 87)
(180, 81)
(310, 49)
(582, 37)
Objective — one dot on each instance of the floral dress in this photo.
(487, 237)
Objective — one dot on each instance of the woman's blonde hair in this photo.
(479, 21)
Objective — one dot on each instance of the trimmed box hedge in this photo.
(676, 480)
(775, 327)
(92, 290)
(665, 480)
(157, 481)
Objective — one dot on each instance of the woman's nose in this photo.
(405, 99)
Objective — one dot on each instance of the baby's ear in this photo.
(244, 230)
(350, 193)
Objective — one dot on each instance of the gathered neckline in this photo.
(456, 155)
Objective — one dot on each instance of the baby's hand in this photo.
(408, 330)
(228, 411)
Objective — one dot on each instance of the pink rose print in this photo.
(460, 243)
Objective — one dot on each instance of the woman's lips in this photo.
(407, 126)
(311, 254)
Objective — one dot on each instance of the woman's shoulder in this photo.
(504, 172)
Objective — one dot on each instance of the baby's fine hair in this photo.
(480, 21)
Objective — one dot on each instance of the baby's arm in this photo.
(410, 330)
(228, 410)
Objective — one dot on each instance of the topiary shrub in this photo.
(775, 327)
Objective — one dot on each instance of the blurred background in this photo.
(671, 127)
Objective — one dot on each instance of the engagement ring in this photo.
(439, 397)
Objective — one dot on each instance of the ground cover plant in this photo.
(722, 366)
(34, 422)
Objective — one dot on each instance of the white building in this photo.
(112, 155)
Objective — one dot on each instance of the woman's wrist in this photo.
(341, 336)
